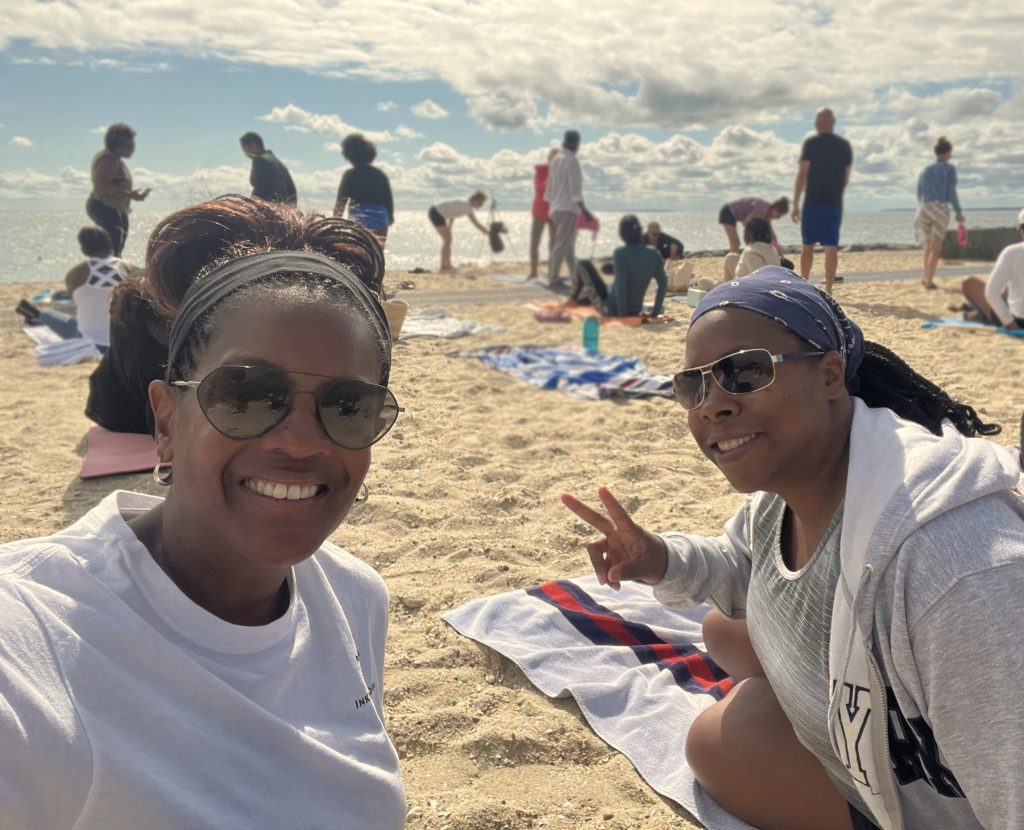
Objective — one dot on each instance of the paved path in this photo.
(498, 293)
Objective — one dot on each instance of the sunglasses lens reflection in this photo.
(243, 402)
(356, 414)
(737, 374)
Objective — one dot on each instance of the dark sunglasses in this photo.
(739, 373)
(248, 401)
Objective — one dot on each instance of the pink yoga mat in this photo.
(116, 453)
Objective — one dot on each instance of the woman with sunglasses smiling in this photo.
(208, 659)
(868, 591)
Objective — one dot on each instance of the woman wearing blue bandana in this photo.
(867, 593)
(209, 659)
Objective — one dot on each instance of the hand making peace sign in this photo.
(626, 551)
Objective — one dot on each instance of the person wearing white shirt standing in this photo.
(564, 192)
(1000, 300)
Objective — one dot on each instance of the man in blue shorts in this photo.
(825, 162)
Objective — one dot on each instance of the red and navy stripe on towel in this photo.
(692, 669)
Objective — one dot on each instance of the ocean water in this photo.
(40, 245)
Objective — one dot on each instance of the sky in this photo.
(682, 104)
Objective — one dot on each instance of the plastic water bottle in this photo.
(961, 235)
(591, 333)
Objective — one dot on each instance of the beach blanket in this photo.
(582, 374)
(960, 323)
(556, 312)
(637, 669)
(53, 350)
(438, 322)
(115, 453)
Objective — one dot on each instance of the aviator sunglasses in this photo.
(739, 373)
(248, 401)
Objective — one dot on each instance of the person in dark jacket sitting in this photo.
(635, 265)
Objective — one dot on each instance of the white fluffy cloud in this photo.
(20, 141)
(300, 120)
(386, 106)
(428, 109)
(548, 61)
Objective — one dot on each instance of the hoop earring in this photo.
(363, 494)
(163, 474)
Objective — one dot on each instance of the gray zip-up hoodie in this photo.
(926, 663)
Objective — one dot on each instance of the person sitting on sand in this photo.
(1000, 301)
(209, 659)
(443, 214)
(871, 580)
(757, 250)
(91, 283)
(634, 266)
(365, 189)
(669, 247)
(747, 208)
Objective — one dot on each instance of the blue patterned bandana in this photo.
(808, 312)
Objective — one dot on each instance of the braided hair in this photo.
(886, 380)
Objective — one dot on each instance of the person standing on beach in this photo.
(1000, 301)
(936, 191)
(112, 194)
(745, 209)
(824, 170)
(564, 192)
(443, 214)
(540, 214)
(365, 189)
(269, 177)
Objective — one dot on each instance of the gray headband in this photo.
(225, 280)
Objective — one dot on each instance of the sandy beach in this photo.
(464, 502)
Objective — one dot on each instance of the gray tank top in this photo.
(789, 616)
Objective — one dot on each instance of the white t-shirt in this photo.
(454, 208)
(564, 189)
(92, 298)
(123, 705)
(1007, 277)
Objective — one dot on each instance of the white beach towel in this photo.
(636, 668)
(438, 322)
(53, 350)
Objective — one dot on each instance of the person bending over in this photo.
(869, 582)
(443, 215)
(747, 208)
(635, 265)
(1000, 300)
(209, 659)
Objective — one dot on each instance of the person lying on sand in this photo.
(208, 659)
(867, 592)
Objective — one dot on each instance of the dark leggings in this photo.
(112, 221)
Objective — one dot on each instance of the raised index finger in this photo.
(588, 514)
